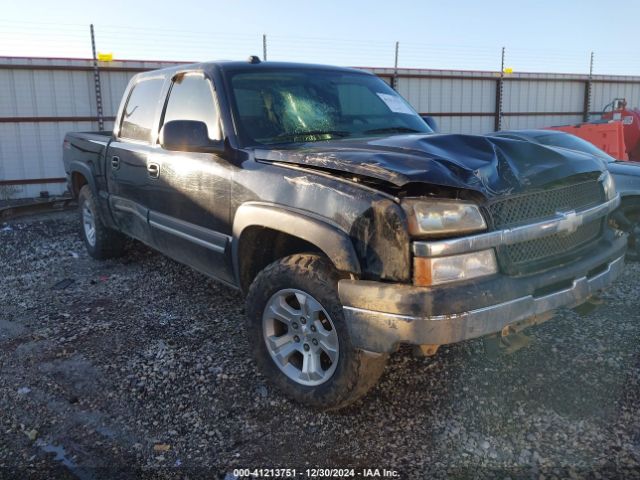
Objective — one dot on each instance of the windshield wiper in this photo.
(397, 129)
(312, 133)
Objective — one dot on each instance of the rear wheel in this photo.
(101, 242)
(298, 335)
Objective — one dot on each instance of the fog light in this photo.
(435, 271)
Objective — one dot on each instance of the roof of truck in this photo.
(248, 65)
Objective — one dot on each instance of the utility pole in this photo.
(394, 80)
(587, 92)
(96, 79)
(499, 92)
(264, 47)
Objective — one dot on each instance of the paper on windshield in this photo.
(395, 104)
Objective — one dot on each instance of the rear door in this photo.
(128, 158)
(189, 199)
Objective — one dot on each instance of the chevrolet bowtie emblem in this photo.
(570, 222)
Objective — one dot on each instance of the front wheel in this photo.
(299, 338)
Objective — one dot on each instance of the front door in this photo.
(190, 198)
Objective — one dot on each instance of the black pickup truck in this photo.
(348, 225)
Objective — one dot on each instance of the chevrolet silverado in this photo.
(349, 226)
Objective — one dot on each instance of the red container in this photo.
(630, 120)
(608, 136)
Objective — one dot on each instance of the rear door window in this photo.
(140, 110)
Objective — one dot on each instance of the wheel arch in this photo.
(81, 175)
(281, 231)
(630, 203)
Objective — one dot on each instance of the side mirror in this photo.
(430, 121)
(188, 136)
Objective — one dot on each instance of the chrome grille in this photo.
(534, 255)
(538, 205)
(551, 246)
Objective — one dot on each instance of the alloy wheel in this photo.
(300, 337)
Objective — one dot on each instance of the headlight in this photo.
(428, 217)
(434, 271)
(609, 185)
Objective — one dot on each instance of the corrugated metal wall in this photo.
(603, 92)
(467, 102)
(44, 98)
(41, 100)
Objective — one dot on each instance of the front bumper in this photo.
(381, 316)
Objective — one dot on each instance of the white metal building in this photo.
(42, 98)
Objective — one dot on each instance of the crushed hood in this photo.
(490, 165)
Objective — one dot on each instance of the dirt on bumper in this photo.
(382, 316)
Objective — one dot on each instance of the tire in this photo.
(633, 250)
(307, 277)
(101, 242)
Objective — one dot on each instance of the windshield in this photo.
(574, 143)
(285, 106)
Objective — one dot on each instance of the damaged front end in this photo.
(502, 234)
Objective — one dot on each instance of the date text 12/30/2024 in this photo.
(314, 473)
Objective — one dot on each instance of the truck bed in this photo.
(85, 147)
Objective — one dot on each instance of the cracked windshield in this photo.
(284, 106)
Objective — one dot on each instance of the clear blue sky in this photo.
(544, 35)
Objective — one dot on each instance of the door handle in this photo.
(115, 162)
(153, 169)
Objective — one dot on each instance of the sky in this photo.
(547, 36)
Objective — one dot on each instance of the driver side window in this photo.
(191, 98)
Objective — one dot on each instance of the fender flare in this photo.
(332, 241)
(102, 200)
(86, 172)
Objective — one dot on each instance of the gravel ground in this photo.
(140, 367)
